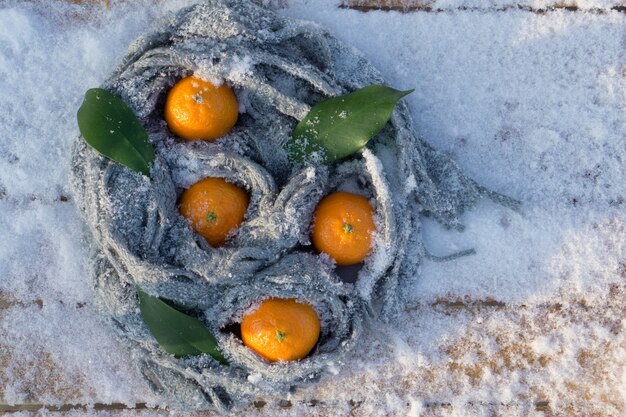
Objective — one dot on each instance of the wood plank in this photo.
(513, 327)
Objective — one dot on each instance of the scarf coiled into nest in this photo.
(279, 67)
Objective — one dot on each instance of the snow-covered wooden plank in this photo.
(491, 339)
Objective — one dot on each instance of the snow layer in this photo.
(530, 105)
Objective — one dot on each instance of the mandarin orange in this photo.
(343, 224)
(215, 207)
(281, 329)
(198, 110)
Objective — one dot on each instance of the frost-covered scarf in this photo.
(279, 68)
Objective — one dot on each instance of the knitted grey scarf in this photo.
(278, 67)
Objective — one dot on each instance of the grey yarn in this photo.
(278, 67)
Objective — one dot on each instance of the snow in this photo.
(530, 105)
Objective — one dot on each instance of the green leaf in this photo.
(109, 125)
(340, 126)
(178, 333)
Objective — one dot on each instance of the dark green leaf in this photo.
(110, 127)
(340, 126)
(178, 333)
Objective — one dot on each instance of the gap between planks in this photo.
(258, 405)
(445, 305)
(440, 304)
(16, 408)
(428, 6)
(405, 6)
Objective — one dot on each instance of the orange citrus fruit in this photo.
(198, 110)
(215, 207)
(342, 227)
(281, 329)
